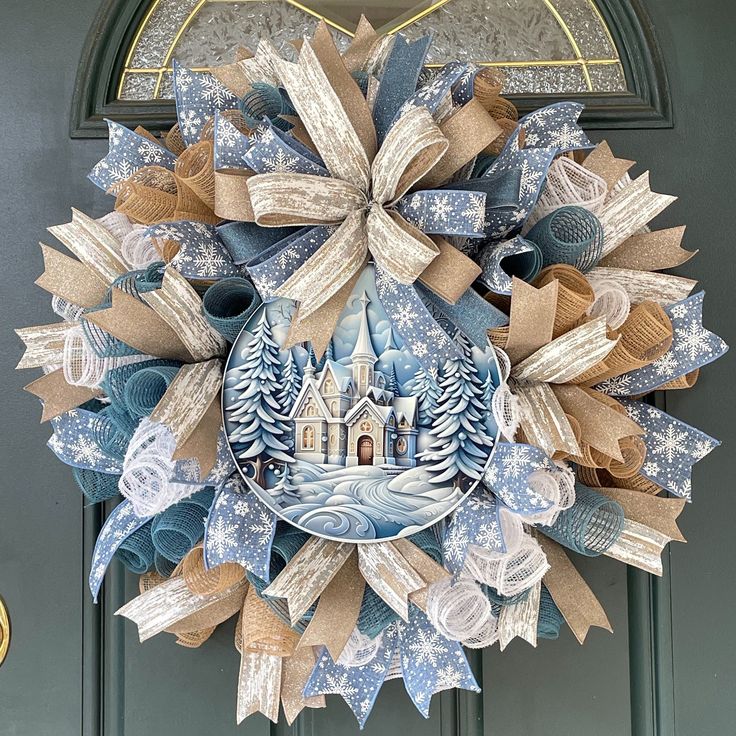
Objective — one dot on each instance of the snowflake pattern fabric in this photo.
(692, 347)
(239, 529)
(508, 474)
(491, 261)
(476, 522)
(429, 343)
(198, 95)
(121, 523)
(230, 145)
(430, 663)
(201, 255)
(75, 442)
(128, 152)
(273, 267)
(446, 211)
(673, 447)
(272, 151)
(357, 686)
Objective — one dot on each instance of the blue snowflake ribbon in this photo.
(431, 95)
(445, 211)
(462, 91)
(507, 477)
(274, 151)
(423, 335)
(357, 686)
(548, 132)
(475, 522)
(187, 470)
(239, 529)
(673, 447)
(273, 266)
(198, 95)
(555, 126)
(128, 152)
(501, 261)
(75, 442)
(230, 145)
(692, 347)
(121, 523)
(201, 255)
(532, 165)
(430, 662)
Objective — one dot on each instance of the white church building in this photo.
(344, 415)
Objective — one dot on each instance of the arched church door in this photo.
(365, 451)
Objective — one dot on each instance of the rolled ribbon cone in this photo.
(571, 235)
(266, 101)
(590, 526)
(228, 305)
(96, 486)
(175, 531)
(136, 551)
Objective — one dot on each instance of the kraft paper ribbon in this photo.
(576, 601)
(308, 573)
(652, 251)
(71, 280)
(93, 244)
(337, 610)
(603, 163)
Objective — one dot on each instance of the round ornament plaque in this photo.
(365, 443)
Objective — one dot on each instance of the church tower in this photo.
(363, 357)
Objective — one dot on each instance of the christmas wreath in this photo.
(362, 355)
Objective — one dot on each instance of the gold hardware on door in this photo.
(4, 631)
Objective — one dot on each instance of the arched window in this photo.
(308, 438)
(600, 51)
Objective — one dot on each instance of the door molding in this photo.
(646, 105)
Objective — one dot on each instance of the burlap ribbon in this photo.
(555, 349)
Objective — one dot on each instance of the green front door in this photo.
(75, 669)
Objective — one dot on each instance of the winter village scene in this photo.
(364, 443)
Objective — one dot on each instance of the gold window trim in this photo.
(579, 59)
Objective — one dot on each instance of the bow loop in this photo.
(302, 199)
(398, 247)
(411, 149)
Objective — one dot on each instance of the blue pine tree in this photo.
(424, 386)
(330, 351)
(261, 425)
(460, 436)
(392, 382)
(284, 492)
(291, 383)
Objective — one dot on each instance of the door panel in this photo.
(76, 669)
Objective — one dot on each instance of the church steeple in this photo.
(363, 356)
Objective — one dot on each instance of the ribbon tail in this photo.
(423, 335)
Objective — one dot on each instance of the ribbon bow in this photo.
(353, 195)
(361, 201)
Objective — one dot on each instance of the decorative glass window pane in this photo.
(544, 46)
